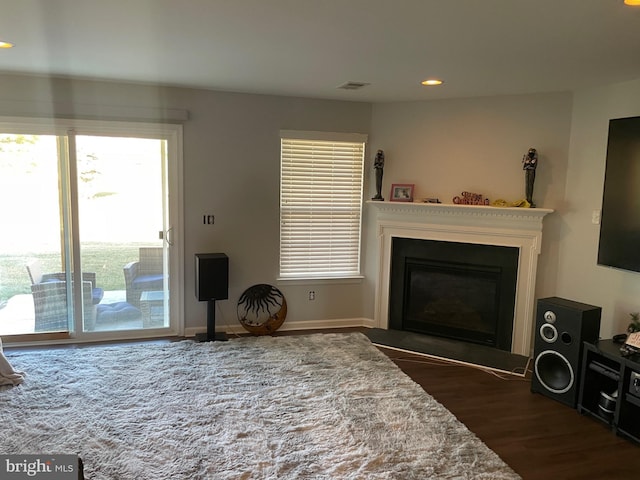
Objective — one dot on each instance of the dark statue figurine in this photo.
(378, 165)
(529, 164)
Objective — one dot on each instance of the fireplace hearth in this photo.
(460, 291)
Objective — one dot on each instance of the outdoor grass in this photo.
(105, 259)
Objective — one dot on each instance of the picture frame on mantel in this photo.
(401, 192)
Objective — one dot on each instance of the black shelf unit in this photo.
(605, 371)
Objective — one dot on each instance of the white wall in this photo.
(579, 276)
(446, 147)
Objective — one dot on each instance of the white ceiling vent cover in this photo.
(353, 85)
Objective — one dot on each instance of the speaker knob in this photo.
(549, 316)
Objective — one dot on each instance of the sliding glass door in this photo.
(122, 221)
(32, 289)
(90, 249)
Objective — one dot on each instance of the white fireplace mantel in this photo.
(485, 225)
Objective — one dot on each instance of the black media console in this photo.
(610, 388)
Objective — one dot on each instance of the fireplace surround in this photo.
(518, 228)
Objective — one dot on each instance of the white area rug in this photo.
(324, 406)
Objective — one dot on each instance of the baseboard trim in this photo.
(288, 326)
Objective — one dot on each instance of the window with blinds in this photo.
(321, 182)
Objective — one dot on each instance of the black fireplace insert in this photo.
(463, 291)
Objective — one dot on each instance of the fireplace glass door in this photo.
(456, 290)
(453, 301)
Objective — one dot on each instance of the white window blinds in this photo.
(321, 185)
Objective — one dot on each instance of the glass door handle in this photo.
(167, 236)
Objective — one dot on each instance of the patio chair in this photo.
(49, 292)
(145, 274)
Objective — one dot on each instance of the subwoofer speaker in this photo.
(561, 328)
(212, 276)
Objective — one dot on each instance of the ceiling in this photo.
(310, 47)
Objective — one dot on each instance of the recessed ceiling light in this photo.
(5, 44)
(634, 3)
(429, 82)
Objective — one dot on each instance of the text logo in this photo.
(50, 467)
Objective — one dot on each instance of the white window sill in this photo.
(320, 280)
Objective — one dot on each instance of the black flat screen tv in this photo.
(619, 245)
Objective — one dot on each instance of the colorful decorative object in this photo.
(468, 198)
(503, 203)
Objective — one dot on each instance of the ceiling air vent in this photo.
(353, 85)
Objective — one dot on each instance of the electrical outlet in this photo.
(208, 219)
(595, 217)
(312, 295)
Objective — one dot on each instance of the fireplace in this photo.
(519, 230)
(461, 291)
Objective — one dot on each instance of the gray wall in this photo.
(579, 277)
(231, 169)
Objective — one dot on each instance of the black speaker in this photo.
(212, 276)
(561, 328)
(212, 283)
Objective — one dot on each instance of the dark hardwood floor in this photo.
(538, 437)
